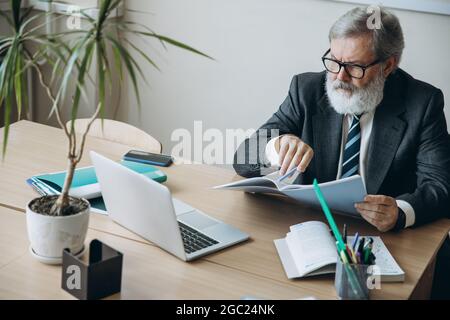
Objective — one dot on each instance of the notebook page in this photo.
(311, 246)
(384, 260)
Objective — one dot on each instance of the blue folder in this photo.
(85, 183)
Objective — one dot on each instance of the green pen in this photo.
(326, 210)
(367, 252)
(342, 250)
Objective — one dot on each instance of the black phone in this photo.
(156, 159)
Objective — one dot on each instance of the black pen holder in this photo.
(102, 277)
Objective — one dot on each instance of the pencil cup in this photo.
(99, 278)
(351, 281)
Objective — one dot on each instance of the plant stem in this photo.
(63, 200)
(51, 96)
(83, 140)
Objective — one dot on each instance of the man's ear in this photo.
(389, 66)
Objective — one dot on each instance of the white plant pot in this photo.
(50, 235)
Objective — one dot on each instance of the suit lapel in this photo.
(327, 135)
(387, 132)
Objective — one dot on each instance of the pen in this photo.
(355, 241)
(349, 253)
(329, 216)
(344, 257)
(287, 175)
(367, 252)
(361, 245)
(358, 257)
(355, 261)
(345, 233)
(366, 255)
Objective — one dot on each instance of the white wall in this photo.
(258, 46)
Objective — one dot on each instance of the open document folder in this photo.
(341, 195)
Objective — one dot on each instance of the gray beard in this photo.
(361, 101)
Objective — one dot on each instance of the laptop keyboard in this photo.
(194, 240)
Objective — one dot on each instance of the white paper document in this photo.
(341, 195)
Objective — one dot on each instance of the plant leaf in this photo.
(101, 77)
(128, 64)
(15, 9)
(81, 76)
(18, 84)
(7, 18)
(143, 54)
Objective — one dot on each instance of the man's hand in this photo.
(380, 211)
(293, 152)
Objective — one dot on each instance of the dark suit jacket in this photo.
(409, 148)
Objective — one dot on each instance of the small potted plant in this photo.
(58, 222)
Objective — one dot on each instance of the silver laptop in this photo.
(147, 208)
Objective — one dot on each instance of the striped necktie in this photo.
(350, 163)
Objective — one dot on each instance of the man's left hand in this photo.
(380, 211)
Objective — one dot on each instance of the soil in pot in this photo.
(44, 205)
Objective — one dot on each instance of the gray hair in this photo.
(387, 37)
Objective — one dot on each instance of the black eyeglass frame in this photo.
(345, 64)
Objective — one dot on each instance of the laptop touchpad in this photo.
(196, 220)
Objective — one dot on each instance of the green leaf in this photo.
(123, 25)
(84, 66)
(39, 26)
(4, 46)
(8, 106)
(101, 77)
(106, 67)
(118, 61)
(18, 84)
(102, 14)
(15, 8)
(134, 63)
(143, 54)
(7, 18)
(128, 64)
(87, 17)
(76, 51)
(26, 14)
(176, 44)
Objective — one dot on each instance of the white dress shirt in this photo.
(366, 122)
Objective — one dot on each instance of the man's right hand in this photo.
(293, 152)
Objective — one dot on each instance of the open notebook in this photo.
(309, 249)
(340, 195)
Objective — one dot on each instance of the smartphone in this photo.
(156, 159)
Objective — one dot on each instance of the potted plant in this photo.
(58, 222)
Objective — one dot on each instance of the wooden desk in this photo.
(148, 272)
(265, 218)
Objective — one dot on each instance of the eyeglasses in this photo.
(353, 70)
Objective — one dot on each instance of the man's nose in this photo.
(343, 75)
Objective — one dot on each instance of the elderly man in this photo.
(363, 115)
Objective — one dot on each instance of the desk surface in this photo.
(265, 218)
(148, 272)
